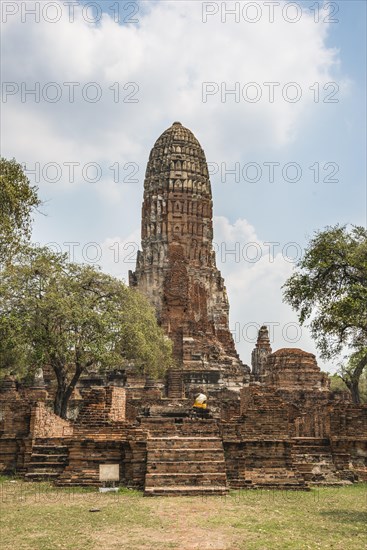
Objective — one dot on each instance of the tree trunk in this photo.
(64, 390)
(66, 397)
(352, 380)
(59, 403)
(62, 398)
(64, 406)
(354, 389)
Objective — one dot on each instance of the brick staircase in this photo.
(98, 439)
(313, 459)
(93, 413)
(189, 462)
(175, 384)
(47, 461)
(95, 420)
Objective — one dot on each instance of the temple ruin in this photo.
(176, 268)
(274, 425)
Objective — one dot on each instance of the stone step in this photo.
(311, 441)
(328, 457)
(273, 480)
(95, 419)
(186, 490)
(41, 475)
(186, 460)
(312, 472)
(50, 450)
(199, 479)
(307, 449)
(86, 483)
(48, 464)
(184, 431)
(268, 477)
(92, 423)
(184, 454)
(326, 483)
(186, 467)
(39, 457)
(184, 443)
(203, 426)
(278, 484)
(310, 464)
(46, 467)
(186, 428)
(286, 486)
(47, 460)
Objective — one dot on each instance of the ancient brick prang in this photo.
(176, 268)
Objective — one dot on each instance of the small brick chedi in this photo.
(276, 425)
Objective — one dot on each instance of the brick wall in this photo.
(349, 420)
(116, 400)
(15, 420)
(45, 423)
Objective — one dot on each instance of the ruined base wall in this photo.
(273, 437)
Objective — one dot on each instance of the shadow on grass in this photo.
(346, 516)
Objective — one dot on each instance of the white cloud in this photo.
(168, 55)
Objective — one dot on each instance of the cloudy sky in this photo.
(274, 92)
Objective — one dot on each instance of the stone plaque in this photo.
(109, 472)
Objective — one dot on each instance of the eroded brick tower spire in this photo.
(261, 352)
(176, 268)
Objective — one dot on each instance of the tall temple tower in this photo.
(176, 268)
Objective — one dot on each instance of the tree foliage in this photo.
(329, 290)
(337, 384)
(17, 201)
(363, 386)
(73, 317)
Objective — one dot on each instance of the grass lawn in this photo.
(41, 517)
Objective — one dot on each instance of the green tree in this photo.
(73, 317)
(363, 386)
(329, 290)
(337, 384)
(17, 201)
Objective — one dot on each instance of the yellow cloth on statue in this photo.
(200, 401)
(200, 405)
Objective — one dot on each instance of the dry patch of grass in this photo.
(38, 516)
